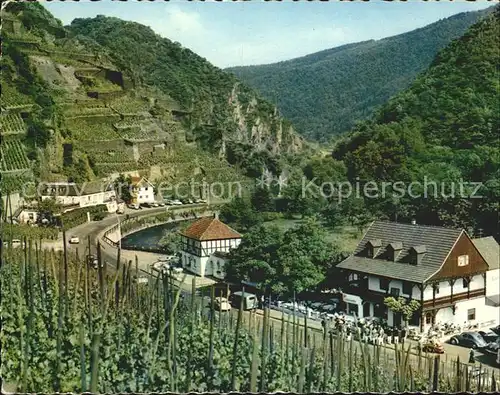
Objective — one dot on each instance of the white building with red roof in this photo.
(205, 245)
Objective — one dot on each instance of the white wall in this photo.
(24, 216)
(445, 287)
(493, 282)
(445, 315)
(374, 285)
(145, 195)
(213, 264)
(84, 200)
(198, 265)
(484, 313)
(209, 247)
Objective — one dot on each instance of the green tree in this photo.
(262, 200)
(255, 258)
(48, 209)
(304, 258)
(240, 213)
(122, 186)
(406, 308)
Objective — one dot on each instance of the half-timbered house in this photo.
(439, 267)
(205, 245)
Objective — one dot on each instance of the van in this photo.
(250, 301)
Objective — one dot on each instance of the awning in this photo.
(493, 300)
(354, 299)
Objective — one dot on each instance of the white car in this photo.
(177, 203)
(161, 266)
(74, 240)
(222, 304)
(177, 270)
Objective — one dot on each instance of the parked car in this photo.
(469, 339)
(488, 336)
(74, 240)
(222, 304)
(177, 203)
(155, 204)
(433, 347)
(94, 262)
(249, 300)
(161, 204)
(134, 206)
(496, 330)
(120, 211)
(161, 266)
(147, 205)
(493, 347)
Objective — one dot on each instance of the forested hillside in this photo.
(108, 96)
(444, 127)
(325, 93)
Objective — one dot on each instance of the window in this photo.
(436, 288)
(465, 283)
(395, 292)
(428, 319)
(471, 314)
(146, 188)
(407, 288)
(463, 260)
(384, 284)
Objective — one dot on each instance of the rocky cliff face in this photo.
(264, 130)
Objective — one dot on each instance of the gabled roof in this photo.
(210, 228)
(438, 241)
(489, 249)
(421, 249)
(140, 181)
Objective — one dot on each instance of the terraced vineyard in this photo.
(78, 111)
(13, 183)
(130, 123)
(109, 156)
(13, 99)
(92, 128)
(12, 124)
(127, 105)
(13, 156)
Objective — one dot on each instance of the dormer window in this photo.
(417, 254)
(373, 247)
(394, 249)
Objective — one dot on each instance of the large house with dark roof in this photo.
(205, 245)
(440, 267)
